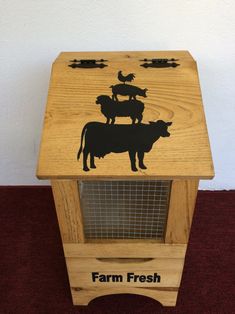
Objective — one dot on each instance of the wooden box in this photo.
(125, 144)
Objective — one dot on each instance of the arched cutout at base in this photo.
(166, 296)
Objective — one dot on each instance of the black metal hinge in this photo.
(88, 63)
(160, 63)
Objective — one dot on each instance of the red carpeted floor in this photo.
(33, 276)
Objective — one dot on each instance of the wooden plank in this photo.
(99, 241)
(67, 203)
(168, 270)
(115, 250)
(82, 265)
(117, 55)
(173, 95)
(167, 278)
(181, 208)
(83, 295)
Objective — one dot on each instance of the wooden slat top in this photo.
(173, 95)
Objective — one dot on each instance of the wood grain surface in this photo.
(169, 278)
(69, 214)
(80, 271)
(83, 295)
(123, 264)
(181, 208)
(173, 95)
(130, 250)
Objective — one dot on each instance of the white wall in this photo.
(32, 33)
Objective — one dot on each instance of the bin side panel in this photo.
(67, 203)
(180, 214)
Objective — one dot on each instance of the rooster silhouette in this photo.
(128, 78)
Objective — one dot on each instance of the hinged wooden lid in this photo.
(173, 95)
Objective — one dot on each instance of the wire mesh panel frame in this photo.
(124, 209)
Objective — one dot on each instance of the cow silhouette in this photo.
(127, 90)
(127, 108)
(102, 139)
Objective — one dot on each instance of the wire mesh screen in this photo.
(124, 209)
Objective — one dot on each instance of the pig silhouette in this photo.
(127, 90)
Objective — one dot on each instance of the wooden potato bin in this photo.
(125, 144)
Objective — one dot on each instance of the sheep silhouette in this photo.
(127, 108)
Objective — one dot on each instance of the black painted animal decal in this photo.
(127, 108)
(136, 139)
(101, 139)
(128, 78)
(127, 90)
